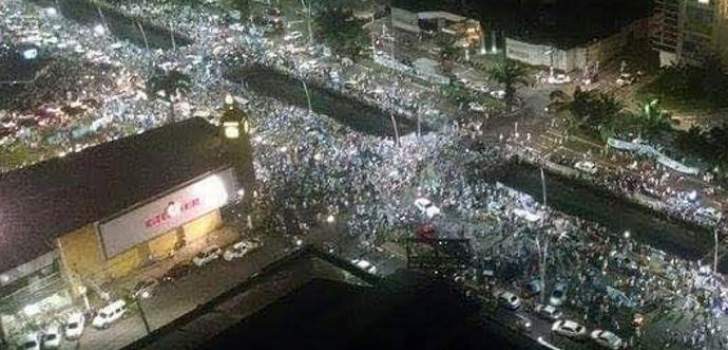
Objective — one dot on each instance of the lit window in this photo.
(704, 1)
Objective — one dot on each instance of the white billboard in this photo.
(150, 220)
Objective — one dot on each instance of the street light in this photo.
(232, 121)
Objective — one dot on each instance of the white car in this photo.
(293, 36)
(586, 166)
(426, 207)
(30, 341)
(607, 339)
(109, 314)
(569, 329)
(52, 337)
(365, 265)
(548, 312)
(558, 295)
(74, 325)
(206, 256)
(509, 300)
(476, 107)
(237, 250)
(498, 94)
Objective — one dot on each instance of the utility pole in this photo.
(144, 316)
(307, 8)
(715, 252)
(543, 186)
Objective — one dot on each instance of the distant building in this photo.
(571, 56)
(688, 30)
(467, 32)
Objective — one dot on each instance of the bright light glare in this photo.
(232, 132)
(31, 309)
(99, 29)
(30, 54)
(51, 12)
(330, 219)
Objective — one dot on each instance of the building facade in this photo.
(689, 30)
(85, 220)
(568, 59)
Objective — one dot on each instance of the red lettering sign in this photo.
(164, 216)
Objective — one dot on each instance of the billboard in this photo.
(171, 210)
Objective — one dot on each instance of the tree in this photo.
(343, 33)
(448, 52)
(594, 111)
(457, 93)
(509, 73)
(169, 86)
(652, 120)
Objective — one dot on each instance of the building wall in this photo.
(84, 260)
(199, 228)
(575, 58)
(720, 32)
(700, 29)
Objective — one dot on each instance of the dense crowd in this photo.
(314, 170)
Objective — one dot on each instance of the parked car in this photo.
(509, 300)
(237, 250)
(177, 271)
(586, 166)
(292, 36)
(498, 94)
(607, 339)
(365, 265)
(533, 287)
(548, 312)
(569, 329)
(523, 323)
(206, 256)
(52, 337)
(558, 294)
(426, 207)
(30, 341)
(74, 325)
(109, 314)
(144, 289)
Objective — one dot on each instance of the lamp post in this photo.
(235, 132)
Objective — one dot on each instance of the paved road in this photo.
(174, 299)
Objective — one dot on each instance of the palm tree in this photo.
(599, 112)
(653, 120)
(169, 86)
(509, 73)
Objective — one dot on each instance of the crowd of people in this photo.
(314, 170)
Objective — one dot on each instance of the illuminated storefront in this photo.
(78, 222)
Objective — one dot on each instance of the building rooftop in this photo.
(328, 310)
(562, 23)
(405, 311)
(48, 199)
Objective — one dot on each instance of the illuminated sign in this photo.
(169, 211)
(173, 210)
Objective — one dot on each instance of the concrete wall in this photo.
(404, 19)
(578, 57)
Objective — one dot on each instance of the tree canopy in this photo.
(509, 73)
(341, 32)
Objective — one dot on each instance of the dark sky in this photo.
(559, 21)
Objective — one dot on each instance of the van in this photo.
(109, 314)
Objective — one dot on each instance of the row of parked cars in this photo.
(51, 336)
(560, 326)
(72, 329)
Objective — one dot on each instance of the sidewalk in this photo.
(222, 237)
